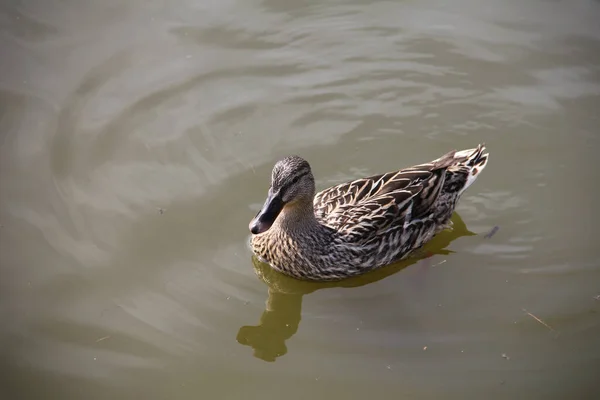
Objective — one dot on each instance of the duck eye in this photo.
(296, 179)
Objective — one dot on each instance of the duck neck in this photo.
(299, 216)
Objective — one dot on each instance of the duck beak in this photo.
(268, 214)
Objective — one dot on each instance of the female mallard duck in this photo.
(354, 227)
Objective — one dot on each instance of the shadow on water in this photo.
(282, 315)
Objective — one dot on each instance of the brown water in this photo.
(137, 140)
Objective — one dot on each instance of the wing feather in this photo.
(367, 207)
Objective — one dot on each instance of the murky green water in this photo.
(137, 140)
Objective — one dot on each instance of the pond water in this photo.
(137, 140)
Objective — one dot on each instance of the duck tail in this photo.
(470, 162)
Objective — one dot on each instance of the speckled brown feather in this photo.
(374, 221)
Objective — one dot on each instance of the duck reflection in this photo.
(283, 309)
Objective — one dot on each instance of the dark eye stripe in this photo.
(286, 187)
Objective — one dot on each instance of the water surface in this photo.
(137, 140)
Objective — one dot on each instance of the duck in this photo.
(355, 227)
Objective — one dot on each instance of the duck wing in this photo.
(375, 205)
